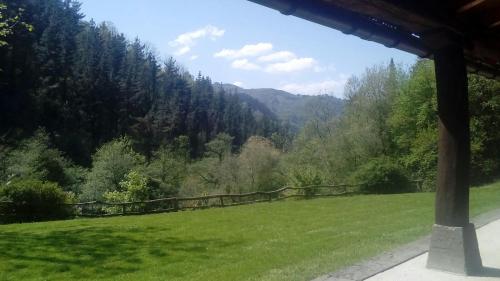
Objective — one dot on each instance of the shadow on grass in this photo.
(99, 252)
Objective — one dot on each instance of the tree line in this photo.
(389, 130)
(89, 115)
(87, 84)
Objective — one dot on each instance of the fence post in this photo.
(123, 209)
(221, 201)
(176, 204)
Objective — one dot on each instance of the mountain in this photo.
(297, 110)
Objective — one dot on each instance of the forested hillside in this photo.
(294, 110)
(87, 114)
(86, 84)
(389, 130)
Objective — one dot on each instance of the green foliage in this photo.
(421, 161)
(167, 170)
(220, 146)
(135, 186)
(306, 177)
(294, 110)
(382, 175)
(336, 146)
(111, 163)
(415, 109)
(209, 175)
(413, 123)
(35, 159)
(8, 24)
(255, 168)
(485, 128)
(35, 200)
(114, 197)
(87, 84)
(259, 164)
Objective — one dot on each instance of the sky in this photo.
(246, 44)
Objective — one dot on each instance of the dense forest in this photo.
(294, 110)
(95, 115)
(87, 84)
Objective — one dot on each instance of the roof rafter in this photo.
(419, 27)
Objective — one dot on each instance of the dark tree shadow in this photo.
(98, 252)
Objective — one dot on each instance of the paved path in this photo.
(407, 263)
(414, 269)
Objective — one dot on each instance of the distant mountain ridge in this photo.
(297, 110)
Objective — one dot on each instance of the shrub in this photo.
(133, 188)
(114, 197)
(34, 158)
(35, 200)
(110, 164)
(306, 177)
(259, 165)
(382, 175)
(166, 170)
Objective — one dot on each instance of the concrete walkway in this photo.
(407, 263)
(414, 269)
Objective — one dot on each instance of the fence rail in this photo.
(173, 204)
(98, 208)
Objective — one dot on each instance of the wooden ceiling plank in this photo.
(390, 22)
(470, 5)
(494, 24)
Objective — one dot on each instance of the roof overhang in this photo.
(418, 27)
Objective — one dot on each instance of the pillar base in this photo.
(454, 249)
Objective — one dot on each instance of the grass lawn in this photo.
(292, 240)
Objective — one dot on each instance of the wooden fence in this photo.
(173, 204)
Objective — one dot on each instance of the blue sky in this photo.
(237, 41)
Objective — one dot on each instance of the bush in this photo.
(114, 197)
(134, 188)
(110, 165)
(35, 159)
(382, 176)
(307, 177)
(166, 170)
(259, 165)
(35, 200)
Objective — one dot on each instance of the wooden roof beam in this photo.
(349, 22)
(399, 26)
(469, 5)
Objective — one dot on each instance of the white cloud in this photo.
(244, 64)
(238, 83)
(328, 68)
(193, 57)
(183, 50)
(282, 56)
(245, 51)
(291, 66)
(185, 41)
(333, 87)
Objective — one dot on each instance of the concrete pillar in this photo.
(454, 245)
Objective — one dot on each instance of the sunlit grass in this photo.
(293, 240)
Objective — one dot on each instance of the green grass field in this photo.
(292, 240)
